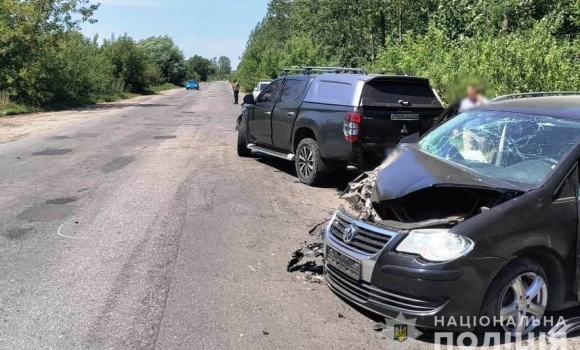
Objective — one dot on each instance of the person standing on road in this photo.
(471, 140)
(236, 88)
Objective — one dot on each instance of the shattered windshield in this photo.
(515, 147)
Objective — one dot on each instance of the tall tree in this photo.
(199, 66)
(224, 65)
(30, 33)
(167, 56)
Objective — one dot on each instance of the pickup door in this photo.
(286, 111)
(393, 108)
(260, 126)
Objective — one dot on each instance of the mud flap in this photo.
(239, 121)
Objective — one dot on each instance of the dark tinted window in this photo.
(569, 187)
(270, 94)
(383, 93)
(292, 89)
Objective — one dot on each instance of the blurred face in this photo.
(472, 92)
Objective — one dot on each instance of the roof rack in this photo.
(286, 71)
(534, 94)
(337, 70)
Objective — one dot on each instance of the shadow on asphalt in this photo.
(337, 181)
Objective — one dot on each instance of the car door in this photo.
(260, 120)
(574, 185)
(566, 207)
(286, 111)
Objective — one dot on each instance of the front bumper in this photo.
(392, 283)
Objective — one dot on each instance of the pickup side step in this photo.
(285, 156)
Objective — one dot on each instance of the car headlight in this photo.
(437, 245)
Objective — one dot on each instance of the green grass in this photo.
(161, 88)
(14, 109)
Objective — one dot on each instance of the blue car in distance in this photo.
(192, 85)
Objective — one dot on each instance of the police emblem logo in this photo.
(400, 332)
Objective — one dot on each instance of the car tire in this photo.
(310, 168)
(520, 289)
(243, 150)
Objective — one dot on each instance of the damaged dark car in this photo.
(479, 218)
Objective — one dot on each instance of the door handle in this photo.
(290, 114)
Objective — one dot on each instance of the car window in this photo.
(569, 186)
(515, 147)
(335, 92)
(292, 89)
(386, 92)
(270, 94)
(263, 86)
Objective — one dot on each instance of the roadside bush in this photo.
(129, 62)
(153, 75)
(168, 58)
(82, 70)
(531, 60)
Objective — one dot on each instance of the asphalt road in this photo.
(138, 227)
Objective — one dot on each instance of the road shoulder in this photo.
(16, 127)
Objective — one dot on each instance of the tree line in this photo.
(45, 59)
(513, 45)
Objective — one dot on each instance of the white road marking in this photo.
(65, 236)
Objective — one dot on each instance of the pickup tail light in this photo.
(352, 125)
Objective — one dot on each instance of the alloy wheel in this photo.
(306, 162)
(522, 303)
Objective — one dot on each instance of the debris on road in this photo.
(313, 251)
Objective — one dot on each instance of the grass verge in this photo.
(15, 109)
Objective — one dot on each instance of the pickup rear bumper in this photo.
(357, 154)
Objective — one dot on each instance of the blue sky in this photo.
(209, 28)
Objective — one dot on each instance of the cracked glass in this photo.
(514, 147)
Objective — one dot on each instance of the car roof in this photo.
(346, 89)
(553, 106)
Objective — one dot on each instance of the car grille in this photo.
(362, 293)
(368, 239)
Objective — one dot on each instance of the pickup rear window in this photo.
(390, 93)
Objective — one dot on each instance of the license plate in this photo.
(342, 262)
(404, 117)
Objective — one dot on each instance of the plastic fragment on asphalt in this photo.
(314, 267)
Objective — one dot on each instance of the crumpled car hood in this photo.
(414, 170)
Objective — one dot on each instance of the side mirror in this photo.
(256, 89)
(249, 99)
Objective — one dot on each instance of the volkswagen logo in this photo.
(349, 233)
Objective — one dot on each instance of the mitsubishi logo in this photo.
(349, 233)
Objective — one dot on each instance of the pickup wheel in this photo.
(309, 166)
(243, 150)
